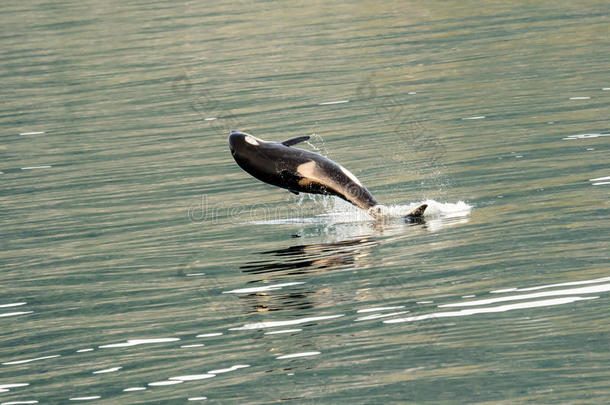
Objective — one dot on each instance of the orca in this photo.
(302, 171)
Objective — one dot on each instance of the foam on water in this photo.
(341, 212)
(435, 209)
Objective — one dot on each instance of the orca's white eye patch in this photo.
(251, 140)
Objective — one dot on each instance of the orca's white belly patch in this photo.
(311, 174)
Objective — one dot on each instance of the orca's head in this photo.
(243, 144)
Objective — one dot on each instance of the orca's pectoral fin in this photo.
(294, 141)
(417, 214)
(294, 192)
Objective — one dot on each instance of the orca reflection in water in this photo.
(301, 260)
(302, 171)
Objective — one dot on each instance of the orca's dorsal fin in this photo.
(294, 141)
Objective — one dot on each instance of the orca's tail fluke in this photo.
(417, 215)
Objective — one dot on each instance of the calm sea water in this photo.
(140, 265)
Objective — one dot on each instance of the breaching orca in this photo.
(302, 171)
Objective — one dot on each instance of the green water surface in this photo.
(136, 254)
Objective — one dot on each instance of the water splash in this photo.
(435, 209)
(338, 211)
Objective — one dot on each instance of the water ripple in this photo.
(573, 291)
(296, 355)
(261, 289)
(273, 324)
(8, 363)
(501, 308)
(137, 342)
